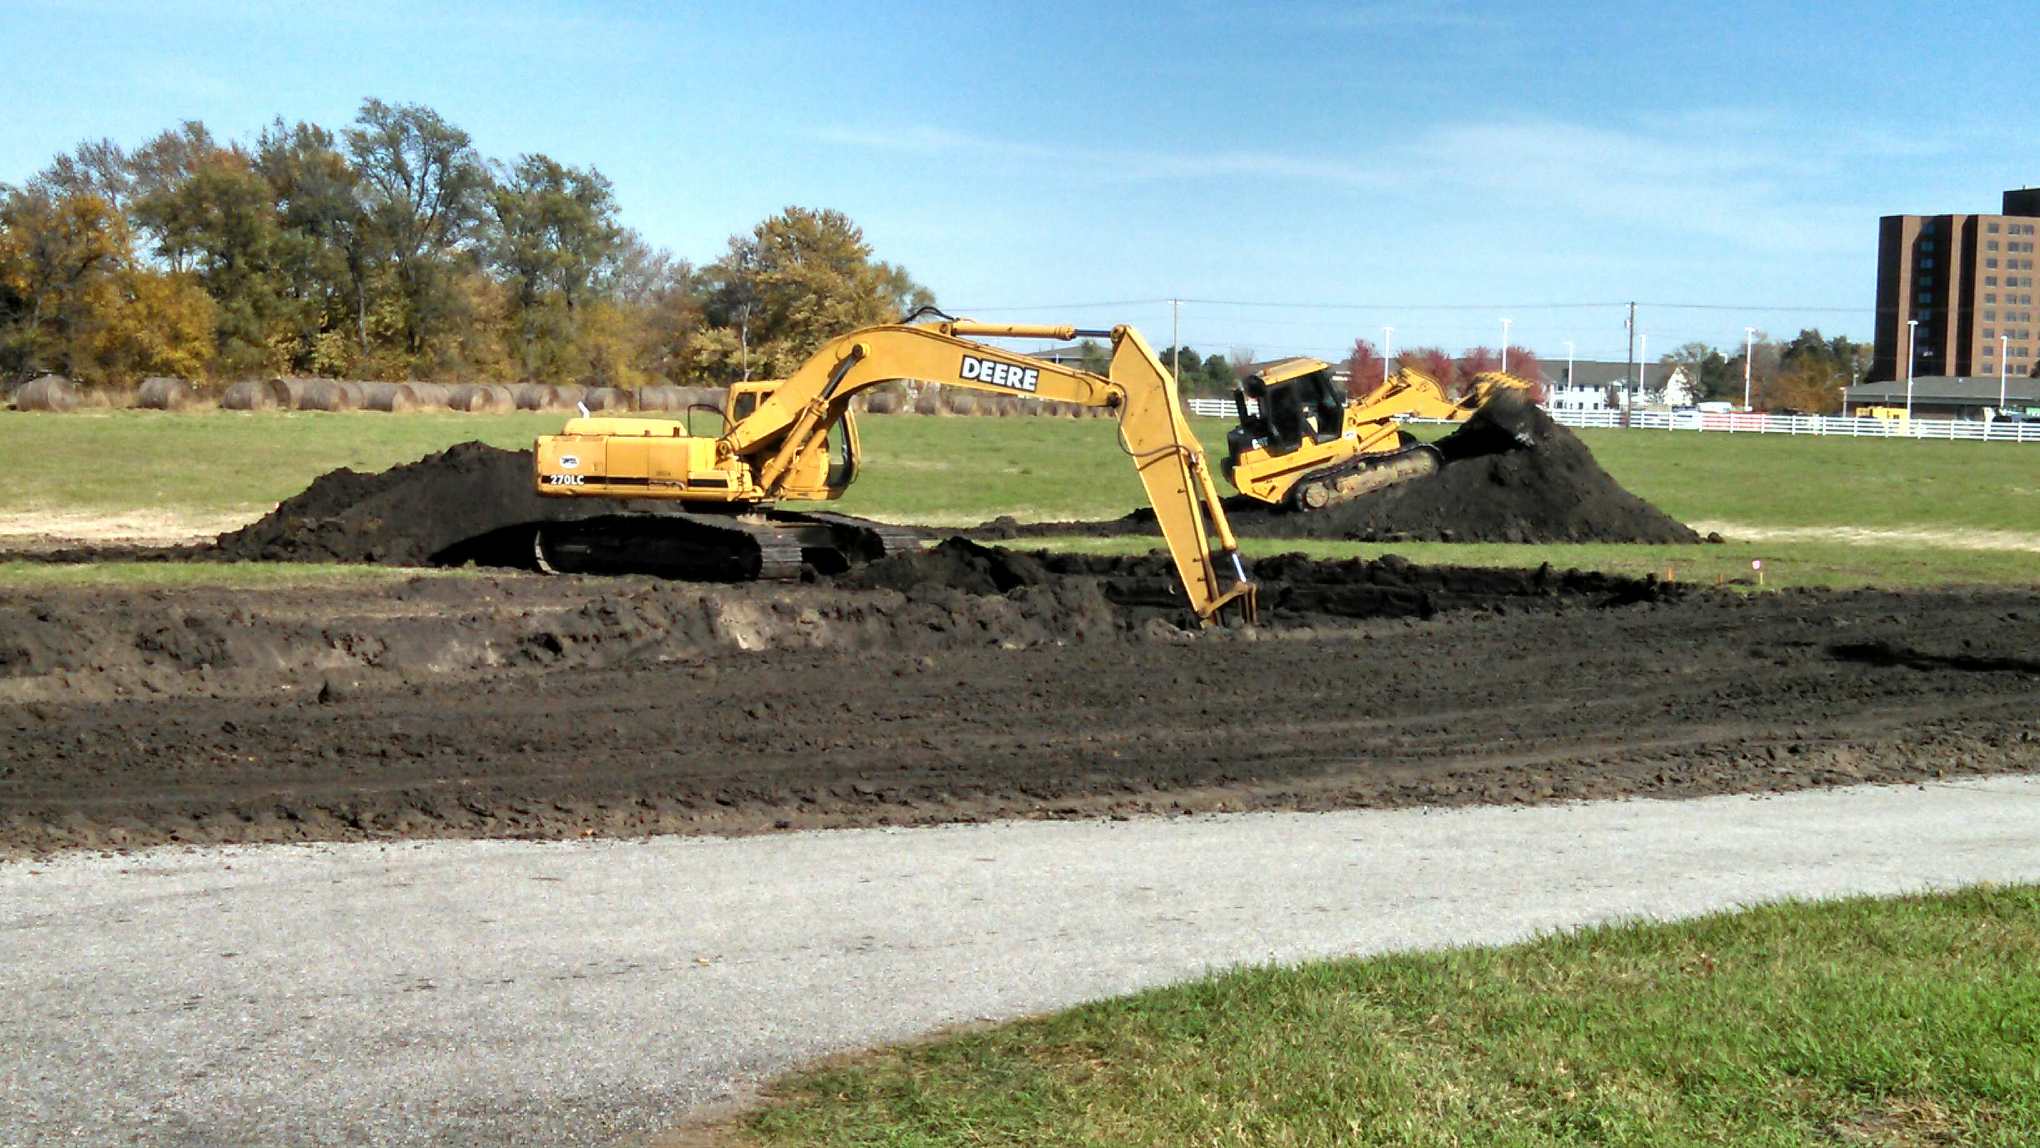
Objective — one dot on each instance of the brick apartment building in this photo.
(1970, 281)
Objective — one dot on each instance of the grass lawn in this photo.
(212, 462)
(1910, 1021)
(1791, 501)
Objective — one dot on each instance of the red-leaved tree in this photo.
(1432, 361)
(1524, 365)
(1363, 368)
(1476, 360)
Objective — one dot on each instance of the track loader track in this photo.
(1363, 475)
(759, 546)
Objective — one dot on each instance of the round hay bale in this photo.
(960, 403)
(430, 395)
(325, 395)
(162, 393)
(606, 399)
(1008, 406)
(565, 395)
(255, 395)
(929, 401)
(53, 393)
(532, 396)
(885, 403)
(676, 399)
(396, 398)
(292, 388)
(475, 398)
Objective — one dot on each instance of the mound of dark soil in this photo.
(1295, 589)
(1494, 487)
(419, 514)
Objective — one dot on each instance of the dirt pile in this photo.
(1295, 590)
(1494, 488)
(440, 510)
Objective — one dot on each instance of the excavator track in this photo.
(757, 546)
(1349, 480)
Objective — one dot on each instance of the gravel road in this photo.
(521, 993)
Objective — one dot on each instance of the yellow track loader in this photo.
(1303, 446)
(795, 439)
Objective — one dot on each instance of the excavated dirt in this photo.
(443, 510)
(961, 685)
(1494, 488)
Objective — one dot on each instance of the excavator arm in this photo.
(778, 449)
(793, 423)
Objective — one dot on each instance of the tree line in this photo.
(393, 249)
(1806, 373)
(1454, 372)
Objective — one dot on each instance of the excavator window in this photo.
(742, 406)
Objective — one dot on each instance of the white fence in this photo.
(1817, 425)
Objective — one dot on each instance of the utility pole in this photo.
(1175, 338)
(1387, 351)
(1749, 350)
(1568, 364)
(1642, 365)
(1631, 324)
(1505, 345)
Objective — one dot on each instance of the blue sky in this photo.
(1376, 163)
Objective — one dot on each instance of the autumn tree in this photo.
(74, 300)
(1364, 367)
(210, 212)
(422, 188)
(323, 255)
(797, 280)
(556, 243)
(1432, 362)
(1524, 364)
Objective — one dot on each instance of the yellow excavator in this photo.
(1303, 445)
(794, 439)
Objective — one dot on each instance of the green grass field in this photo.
(1818, 511)
(1912, 1021)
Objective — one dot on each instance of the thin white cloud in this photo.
(1741, 176)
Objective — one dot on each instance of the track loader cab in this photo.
(1299, 403)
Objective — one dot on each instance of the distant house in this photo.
(1597, 384)
(1946, 397)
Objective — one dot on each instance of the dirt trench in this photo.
(510, 706)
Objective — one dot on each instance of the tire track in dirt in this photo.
(591, 719)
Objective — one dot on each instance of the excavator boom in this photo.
(781, 449)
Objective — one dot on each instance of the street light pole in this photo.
(1505, 345)
(1911, 354)
(2004, 368)
(1749, 351)
(1387, 351)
